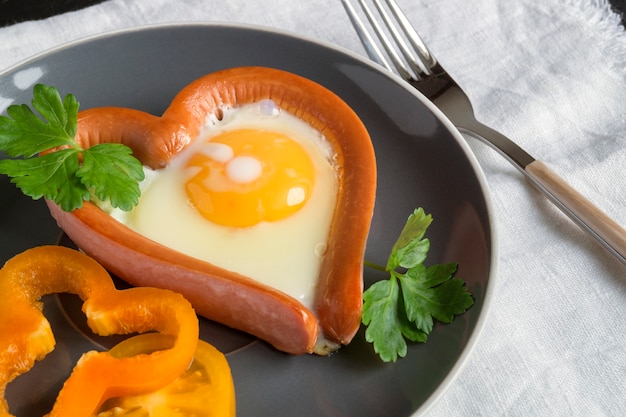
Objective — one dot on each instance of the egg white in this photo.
(284, 254)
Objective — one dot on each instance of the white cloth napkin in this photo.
(552, 76)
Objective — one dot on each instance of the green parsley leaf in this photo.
(72, 174)
(406, 305)
(430, 293)
(51, 176)
(113, 159)
(411, 249)
(381, 309)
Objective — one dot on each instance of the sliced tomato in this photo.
(205, 389)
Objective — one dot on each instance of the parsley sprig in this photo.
(403, 307)
(71, 175)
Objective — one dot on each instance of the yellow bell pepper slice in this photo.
(205, 389)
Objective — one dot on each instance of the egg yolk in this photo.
(242, 177)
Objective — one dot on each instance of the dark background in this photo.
(620, 7)
(14, 11)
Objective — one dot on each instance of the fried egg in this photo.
(254, 194)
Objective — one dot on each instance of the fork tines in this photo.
(413, 61)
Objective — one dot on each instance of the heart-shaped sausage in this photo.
(26, 336)
(216, 293)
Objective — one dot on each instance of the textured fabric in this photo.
(551, 74)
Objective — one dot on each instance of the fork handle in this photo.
(576, 206)
(582, 211)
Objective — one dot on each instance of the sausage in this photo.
(218, 294)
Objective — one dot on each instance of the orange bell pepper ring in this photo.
(26, 336)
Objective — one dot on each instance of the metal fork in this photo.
(417, 65)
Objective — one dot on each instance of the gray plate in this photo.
(423, 162)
